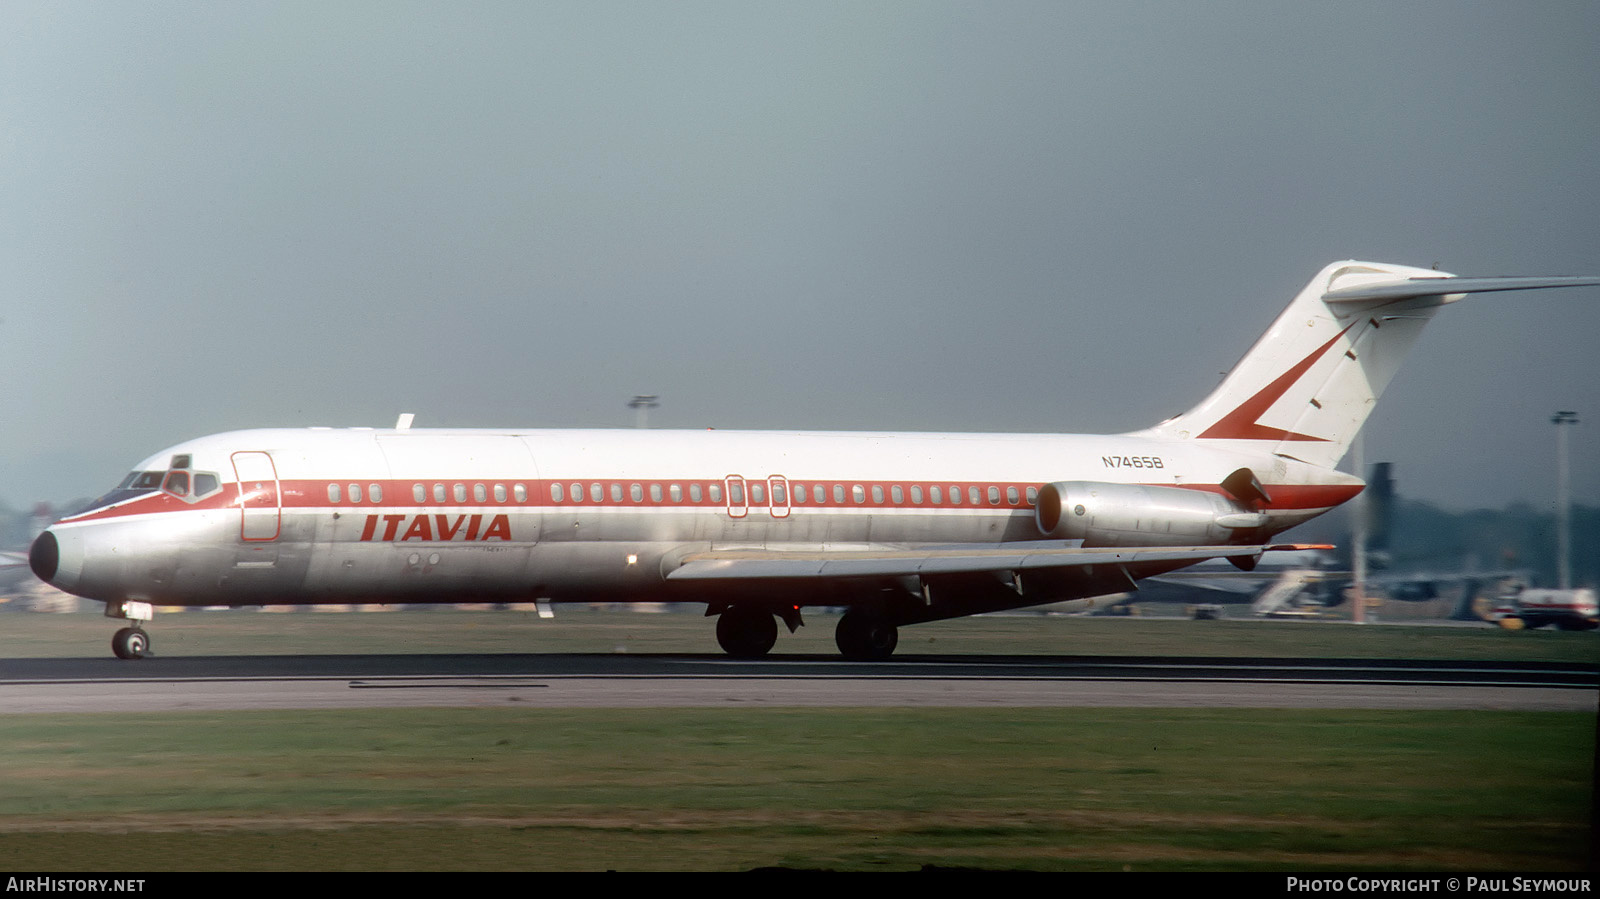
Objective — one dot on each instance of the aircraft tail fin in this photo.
(1308, 384)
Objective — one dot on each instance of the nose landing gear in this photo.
(130, 642)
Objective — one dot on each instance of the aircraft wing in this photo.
(742, 564)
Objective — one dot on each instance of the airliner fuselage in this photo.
(457, 516)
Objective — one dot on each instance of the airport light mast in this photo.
(642, 404)
(1563, 499)
(1358, 557)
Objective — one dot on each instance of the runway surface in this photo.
(621, 681)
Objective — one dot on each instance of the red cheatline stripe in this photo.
(313, 494)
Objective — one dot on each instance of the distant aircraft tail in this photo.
(1308, 384)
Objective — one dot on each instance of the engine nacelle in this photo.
(1104, 514)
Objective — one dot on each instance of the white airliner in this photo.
(901, 528)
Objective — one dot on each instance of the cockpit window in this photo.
(191, 487)
(179, 482)
(137, 483)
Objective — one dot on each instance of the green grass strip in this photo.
(854, 789)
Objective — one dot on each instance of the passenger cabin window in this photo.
(972, 495)
(480, 493)
(819, 493)
(994, 496)
(616, 493)
(676, 492)
(1033, 495)
(778, 495)
(577, 492)
(460, 493)
(716, 493)
(896, 494)
(419, 493)
(916, 494)
(838, 493)
(438, 493)
(355, 493)
(636, 493)
(1011, 495)
(500, 492)
(333, 491)
(375, 493)
(519, 492)
(877, 493)
(758, 494)
(555, 493)
(694, 493)
(655, 493)
(858, 493)
(936, 495)
(596, 492)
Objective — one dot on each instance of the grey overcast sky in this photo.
(997, 216)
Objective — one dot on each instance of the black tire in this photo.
(865, 636)
(130, 643)
(745, 632)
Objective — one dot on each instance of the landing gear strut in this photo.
(747, 632)
(865, 636)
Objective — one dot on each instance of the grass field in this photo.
(852, 789)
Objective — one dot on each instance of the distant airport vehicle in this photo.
(1570, 610)
(899, 528)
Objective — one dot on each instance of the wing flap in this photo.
(748, 564)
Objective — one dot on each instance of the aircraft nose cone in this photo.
(45, 556)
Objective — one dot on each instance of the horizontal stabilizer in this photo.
(1426, 287)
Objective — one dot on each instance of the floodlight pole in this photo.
(1358, 552)
(1563, 499)
(642, 404)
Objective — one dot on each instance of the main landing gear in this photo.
(866, 636)
(130, 642)
(747, 632)
(750, 631)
